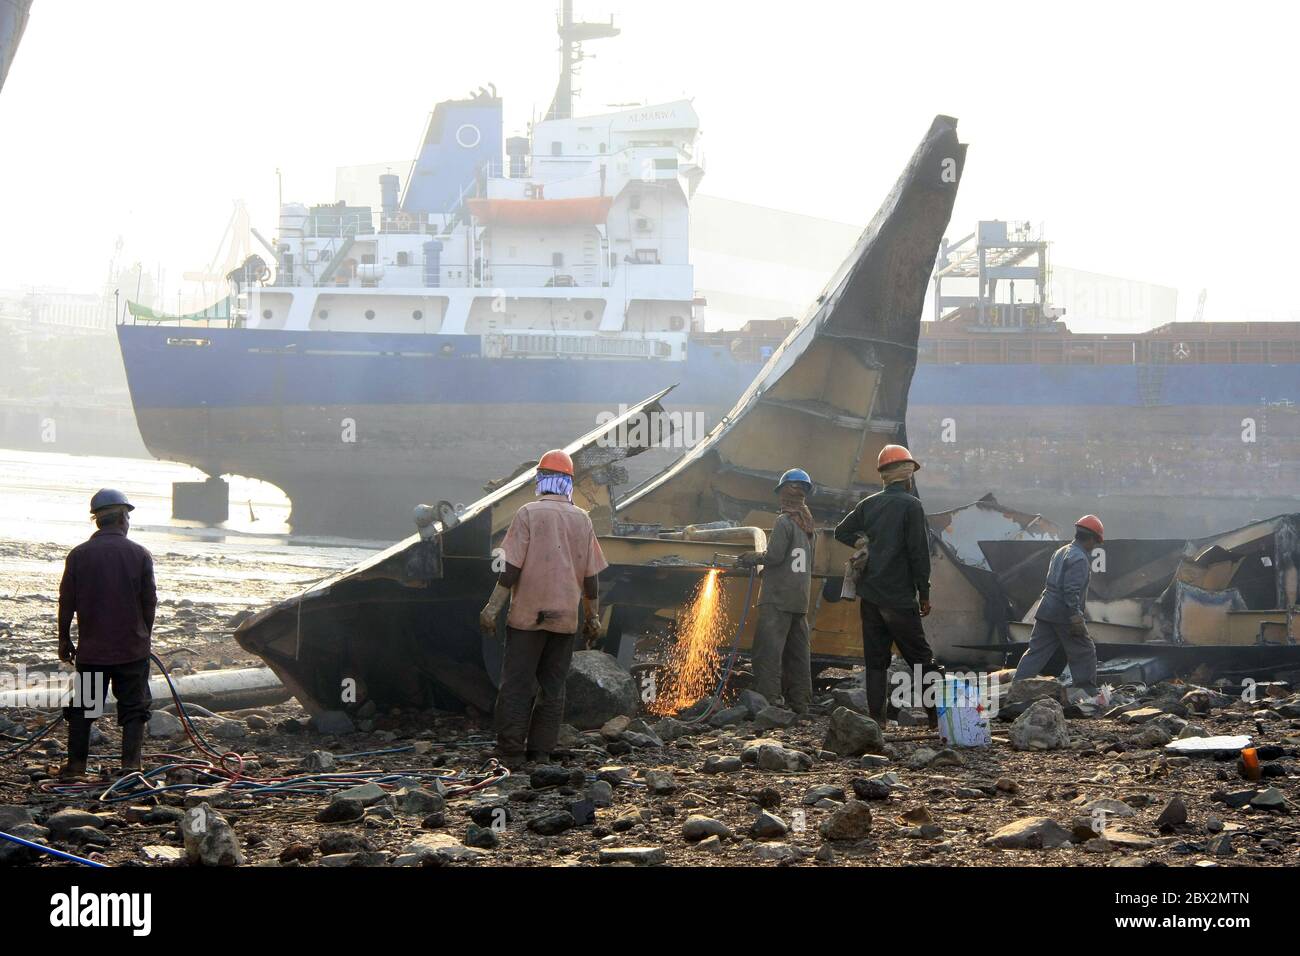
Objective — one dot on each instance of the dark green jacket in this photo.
(787, 567)
(898, 558)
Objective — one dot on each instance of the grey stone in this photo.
(319, 761)
(1141, 715)
(15, 853)
(777, 853)
(91, 836)
(551, 824)
(1221, 845)
(782, 759)
(660, 782)
(220, 728)
(1174, 814)
(850, 734)
(873, 761)
(343, 841)
(752, 701)
(772, 717)
(12, 816)
(730, 715)
(750, 753)
(1030, 689)
(921, 757)
(331, 722)
(416, 801)
(850, 822)
(59, 824)
(1116, 809)
(596, 690)
(366, 794)
(547, 776)
(825, 792)
(947, 758)
(1031, 833)
(438, 849)
(710, 844)
(1268, 799)
(484, 838)
(209, 839)
(600, 793)
(635, 855)
(670, 728)
(165, 725)
(716, 764)
(697, 827)
(642, 741)
(768, 826)
(340, 810)
(1040, 727)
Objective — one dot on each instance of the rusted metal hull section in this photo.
(835, 392)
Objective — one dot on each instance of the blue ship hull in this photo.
(357, 428)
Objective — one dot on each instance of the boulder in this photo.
(14, 853)
(61, 823)
(825, 792)
(12, 816)
(209, 839)
(597, 690)
(1031, 833)
(551, 824)
(729, 715)
(782, 759)
(772, 717)
(850, 822)
(332, 722)
(716, 764)
(1040, 727)
(850, 734)
(341, 810)
(752, 701)
(697, 827)
(164, 725)
(768, 826)
(1030, 689)
(634, 855)
(437, 849)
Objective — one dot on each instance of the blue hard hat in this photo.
(798, 475)
(109, 498)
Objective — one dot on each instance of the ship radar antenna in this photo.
(572, 36)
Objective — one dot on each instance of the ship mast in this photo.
(13, 20)
(571, 37)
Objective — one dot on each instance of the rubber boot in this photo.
(78, 747)
(132, 745)
(932, 712)
(877, 687)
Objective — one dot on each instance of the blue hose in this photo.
(50, 850)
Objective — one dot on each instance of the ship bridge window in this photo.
(676, 323)
(557, 259)
(417, 315)
(370, 313)
(403, 259)
(323, 314)
(557, 149)
(589, 315)
(266, 313)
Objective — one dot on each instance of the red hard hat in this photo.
(892, 454)
(1092, 523)
(557, 459)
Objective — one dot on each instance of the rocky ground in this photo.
(752, 785)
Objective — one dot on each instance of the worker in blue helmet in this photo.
(781, 653)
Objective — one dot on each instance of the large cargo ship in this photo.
(511, 292)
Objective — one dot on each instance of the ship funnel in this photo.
(388, 191)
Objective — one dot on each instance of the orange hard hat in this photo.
(1092, 523)
(557, 459)
(892, 454)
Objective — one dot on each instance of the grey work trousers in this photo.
(1044, 641)
(782, 657)
(530, 701)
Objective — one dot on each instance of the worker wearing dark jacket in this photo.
(1060, 621)
(781, 652)
(894, 586)
(108, 586)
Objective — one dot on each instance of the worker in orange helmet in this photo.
(552, 563)
(893, 580)
(1060, 622)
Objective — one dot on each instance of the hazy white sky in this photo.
(1153, 140)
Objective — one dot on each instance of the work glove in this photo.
(590, 622)
(487, 619)
(67, 653)
(1078, 626)
(749, 559)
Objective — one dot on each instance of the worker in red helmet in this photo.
(1060, 622)
(893, 582)
(552, 563)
